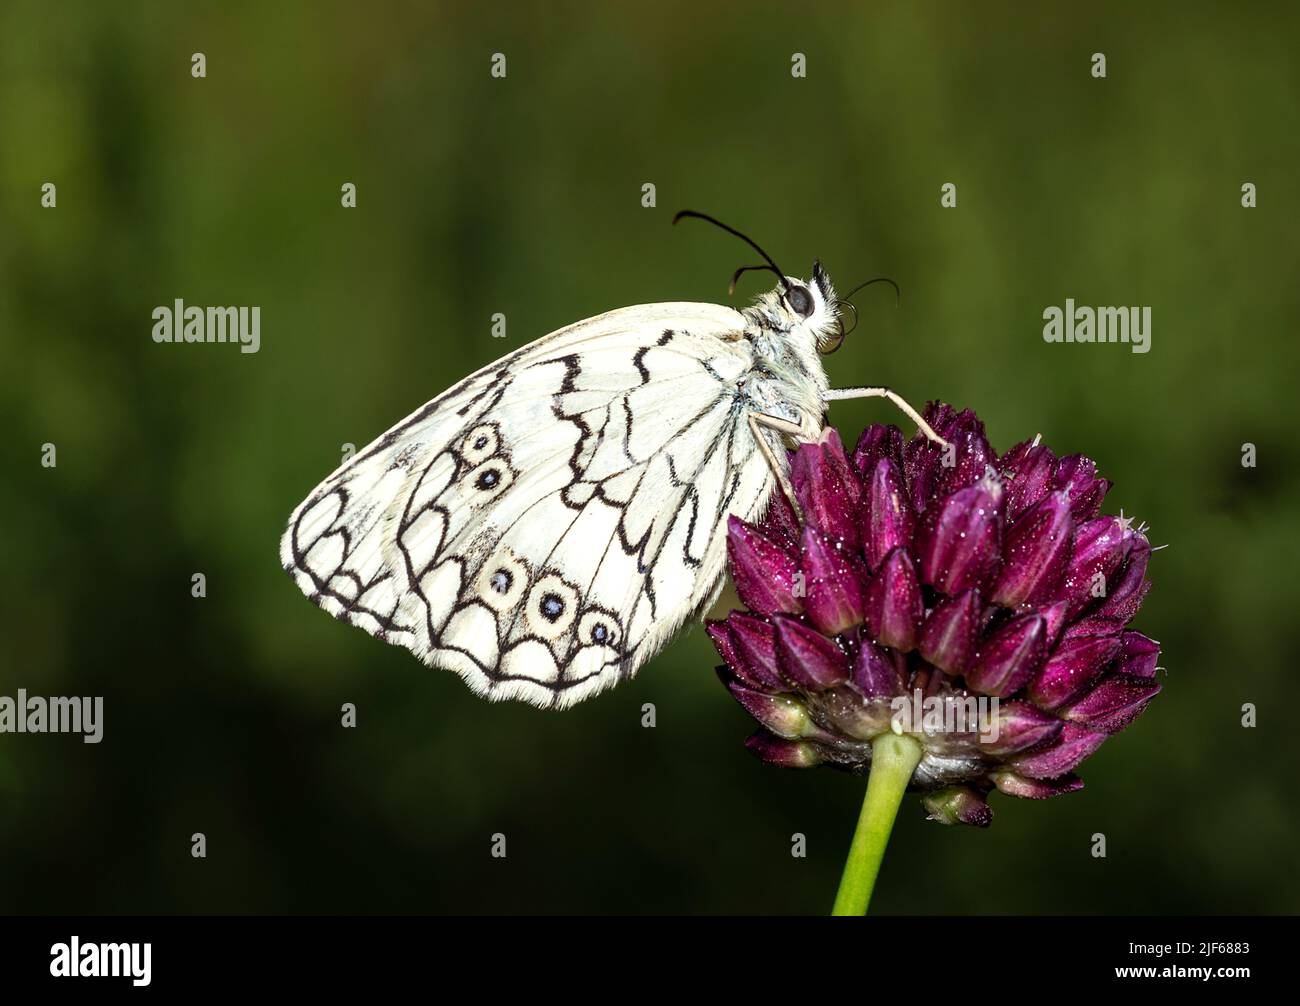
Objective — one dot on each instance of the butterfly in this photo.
(545, 526)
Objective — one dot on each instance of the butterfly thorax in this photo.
(788, 378)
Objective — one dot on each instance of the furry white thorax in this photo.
(792, 382)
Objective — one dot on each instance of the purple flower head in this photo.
(978, 604)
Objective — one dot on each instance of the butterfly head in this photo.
(807, 309)
(815, 305)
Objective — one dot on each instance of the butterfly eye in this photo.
(800, 300)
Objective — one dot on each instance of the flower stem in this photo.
(893, 760)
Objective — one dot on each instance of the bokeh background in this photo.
(522, 196)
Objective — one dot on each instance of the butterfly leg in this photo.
(841, 394)
(757, 422)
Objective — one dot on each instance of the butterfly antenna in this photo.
(842, 300)
(731, 287)
(898, 294)
(785, 283)
(843, 332)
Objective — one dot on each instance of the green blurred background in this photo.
(522, 196)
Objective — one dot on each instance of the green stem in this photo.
(893, 760)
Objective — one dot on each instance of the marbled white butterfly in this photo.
(544, 527)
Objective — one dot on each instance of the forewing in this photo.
(546, 525)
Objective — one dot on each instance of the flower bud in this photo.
(1130, 587)
(1137, 655)
(960, 542)
(1020, 726)
(1035, 553)
(834, 584)
(894, 608)
(1008, 659)
(877, 442)
(754, 640)
(958, 805)
(783, 714)
(1077, 475)
(1081, 655)
(828, 489)
(808, 658)
(1099, 548)
(1074, 743)
(764, 573)
(1115, 702)
(783, 753)
(887, 518)
(1035, 789)
(878, 671)
(951, 631)
(1027, 471)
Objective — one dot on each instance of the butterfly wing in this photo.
(546, 525)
